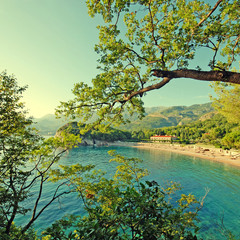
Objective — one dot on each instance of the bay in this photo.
(195, 175)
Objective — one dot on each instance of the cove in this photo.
(194, 174)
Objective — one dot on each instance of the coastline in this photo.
(231, 157)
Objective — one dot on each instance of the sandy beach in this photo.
(231, 157)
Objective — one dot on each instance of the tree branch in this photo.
(210, 13)
(233, 50)
(143, 58)
(153, 35)
(43, 172)
(147, 89)
(34, 215)
(221, 76)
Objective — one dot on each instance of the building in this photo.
(161, 138)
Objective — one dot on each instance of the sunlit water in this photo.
(195, 175)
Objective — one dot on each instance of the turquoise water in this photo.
(195, 176)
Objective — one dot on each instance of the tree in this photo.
(125, 207)
(144, 39)
(227, 104)
(26, 160)
(228, 101)
(232, 140)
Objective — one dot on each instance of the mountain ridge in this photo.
(171, 116)
(155, 117)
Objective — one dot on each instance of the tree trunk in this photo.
(222, 76)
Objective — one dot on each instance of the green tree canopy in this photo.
(124, 207)
(228, 101)
(141, 41)
(26, 160)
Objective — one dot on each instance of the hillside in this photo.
(156, 117)
(48, 125)
(171, 116)
(93, 137)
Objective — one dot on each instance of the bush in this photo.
(126, 207)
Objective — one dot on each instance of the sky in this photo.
(49, 46)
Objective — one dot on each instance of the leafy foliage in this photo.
(215, 130)
(126, 207)
(228, 104)
(228, 101)
(138, 37)
(109, 135)
(232, 139)
(25, 160)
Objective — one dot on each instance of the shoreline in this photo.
(230, 157)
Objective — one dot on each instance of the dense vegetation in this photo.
(124, 207)
(199, 123)
(142, 41)
(216, 131)
(155, 117)
(171, 116)
(109, 135)
(159, 39)
(26, 160)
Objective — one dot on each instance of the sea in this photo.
(221, 208)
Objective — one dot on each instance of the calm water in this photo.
(195, 176)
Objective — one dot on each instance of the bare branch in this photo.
(143, 58)
(55, 196)
(41, 173)
(233, 50)
(153, 35)
(210, 13)
(131, 50)
(137, 73)
(118, 15)
(147, 89)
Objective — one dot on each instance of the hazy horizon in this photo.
(145, 107)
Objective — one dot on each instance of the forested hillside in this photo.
(93, 137)
(215, 130)
(198, 123)
(172, 116)
(155, 117)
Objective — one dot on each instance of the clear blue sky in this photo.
(49, 45)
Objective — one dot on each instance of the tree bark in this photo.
(221, 76)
